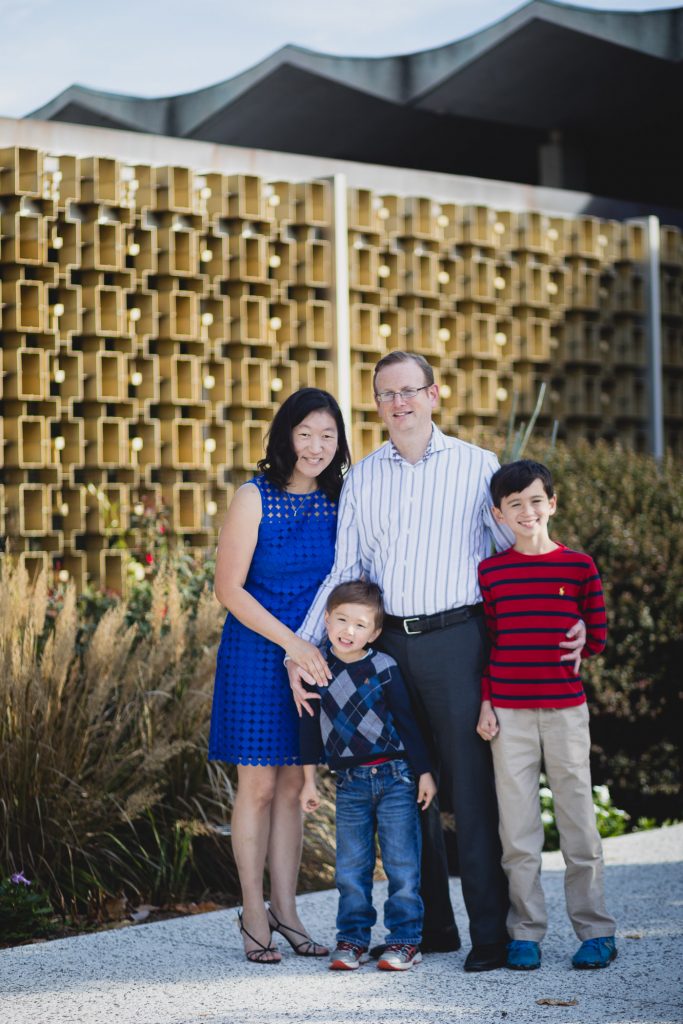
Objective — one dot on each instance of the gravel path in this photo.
(191, 971)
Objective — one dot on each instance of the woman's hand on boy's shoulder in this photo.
(309, 659)
(426, 790)
(300, 695)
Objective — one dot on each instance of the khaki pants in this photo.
(559, 738)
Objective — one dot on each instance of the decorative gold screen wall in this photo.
(152, 318)
(499, 302)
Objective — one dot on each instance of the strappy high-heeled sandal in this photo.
(306, 947)
(257, 956)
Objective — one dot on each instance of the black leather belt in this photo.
(416, 624)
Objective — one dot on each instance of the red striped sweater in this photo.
(530, 601)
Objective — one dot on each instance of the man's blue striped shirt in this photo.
(418, 531)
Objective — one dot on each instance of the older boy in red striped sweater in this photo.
(534, 709)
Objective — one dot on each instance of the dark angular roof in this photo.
(609, 84)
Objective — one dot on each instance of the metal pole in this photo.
(341, 297)
(653, 315)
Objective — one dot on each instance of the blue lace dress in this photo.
(254, 720)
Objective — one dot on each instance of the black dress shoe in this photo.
(486, 957)
(445, 940)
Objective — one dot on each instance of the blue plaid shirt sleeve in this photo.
(310, 737)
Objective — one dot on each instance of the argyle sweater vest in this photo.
(363, 715)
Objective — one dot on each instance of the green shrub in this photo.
(627, 513)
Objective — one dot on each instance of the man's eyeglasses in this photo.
(405, 394)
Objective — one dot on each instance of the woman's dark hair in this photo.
(514, 477)
(280, 457)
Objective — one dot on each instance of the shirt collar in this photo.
(437, 443)
(331, 656)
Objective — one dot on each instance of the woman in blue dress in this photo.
(274, 550)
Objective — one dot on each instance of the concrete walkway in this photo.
(191, 970)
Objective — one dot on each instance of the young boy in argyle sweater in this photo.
(534, 709)
(364, 727)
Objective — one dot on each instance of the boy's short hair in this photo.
(358, 592)
(517, 476)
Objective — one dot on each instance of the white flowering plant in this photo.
(611, 821)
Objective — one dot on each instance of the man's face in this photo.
(405, 417)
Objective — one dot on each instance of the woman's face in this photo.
(315, 442)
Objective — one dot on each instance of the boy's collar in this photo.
(327, 650)
(542, 554)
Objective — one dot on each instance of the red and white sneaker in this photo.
(399, 958)
(348, 957)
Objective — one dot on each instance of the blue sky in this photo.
(161, 47)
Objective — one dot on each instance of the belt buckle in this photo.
(410, 632)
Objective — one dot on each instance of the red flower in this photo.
(149, 559)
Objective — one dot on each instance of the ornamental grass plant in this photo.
(104, 785)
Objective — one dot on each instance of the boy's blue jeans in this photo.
(378, 799)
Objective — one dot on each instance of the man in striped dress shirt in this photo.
(534, 712)
(415, 518)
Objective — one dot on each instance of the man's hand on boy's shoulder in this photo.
(575, 643)
(487, 726)
(426, 790)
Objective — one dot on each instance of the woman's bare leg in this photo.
(284, 847)
(251, 828)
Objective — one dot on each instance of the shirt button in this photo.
(373, 771)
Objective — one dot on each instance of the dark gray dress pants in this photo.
(442, 671)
